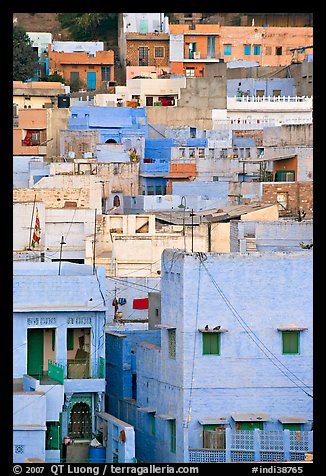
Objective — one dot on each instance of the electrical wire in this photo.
(251, 333)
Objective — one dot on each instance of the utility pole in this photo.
(62, 242)
(192, 229)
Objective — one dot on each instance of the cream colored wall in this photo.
(268, 213)
(220, 237)
(35, 102)
(48, 352)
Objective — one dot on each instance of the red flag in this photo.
(37, 231)
(140, 303)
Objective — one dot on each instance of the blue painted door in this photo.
(91, 80)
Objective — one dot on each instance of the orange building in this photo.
(30, 137)
(180, 172)
(86, 70)
(193, 46)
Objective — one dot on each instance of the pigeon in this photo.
(206, 327)
(217, 328)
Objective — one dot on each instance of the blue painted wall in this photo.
(286, 85)
(250, 296)
(113, 122)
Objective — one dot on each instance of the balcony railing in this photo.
(59, 370)
(257, 445)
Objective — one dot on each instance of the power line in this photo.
(250, 332)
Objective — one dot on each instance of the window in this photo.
(246, 50)
(268, 50)
(143, 56)
(152, 423)
(249, 425)
(74, 76)
(211, 343)
(260, 93)
(149, 100)
(70, 339)
(105, 73)
(116, 201)
(276, 92)
(278, 50)
(173, 434)
(290, 342)
(292, 426)
(285, 176)
(172, 344)
(134, 386)
(257, 50)
(150, 190)
(227, 50)
(282, 199)
(158, 190)
(159, 52)
(190, 72)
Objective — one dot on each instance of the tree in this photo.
(25, 59)
(89, 26)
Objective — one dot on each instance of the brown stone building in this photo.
(147, 49)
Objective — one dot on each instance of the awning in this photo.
(146, 410)
(166, 417)
(179, 175)
(288, 419)
(292, 327)
(250, 416)
(166, 326)
(221, 329)
(214, 421)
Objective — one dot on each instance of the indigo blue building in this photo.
(122, 125)
(230, 378)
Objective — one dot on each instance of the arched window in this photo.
(111, 141)
(116, 201)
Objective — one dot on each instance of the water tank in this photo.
(63, 100)
(97, 454)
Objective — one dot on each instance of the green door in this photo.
(35, 352)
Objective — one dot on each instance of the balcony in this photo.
(257, 445)
(68, 369)
(198, 56)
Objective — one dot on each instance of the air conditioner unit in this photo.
(197, 55)
(71, 155)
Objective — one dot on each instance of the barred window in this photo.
(159, 52)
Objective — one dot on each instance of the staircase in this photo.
(250, 244)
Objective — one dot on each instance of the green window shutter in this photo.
(173, 432)
(211, 343)
(290, 341)
(251, 425)
(152, 418)
(292, 426)
(70, 339)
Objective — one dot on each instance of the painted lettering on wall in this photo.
(40, 321)
(79, 320)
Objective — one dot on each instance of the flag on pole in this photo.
(37, 230)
